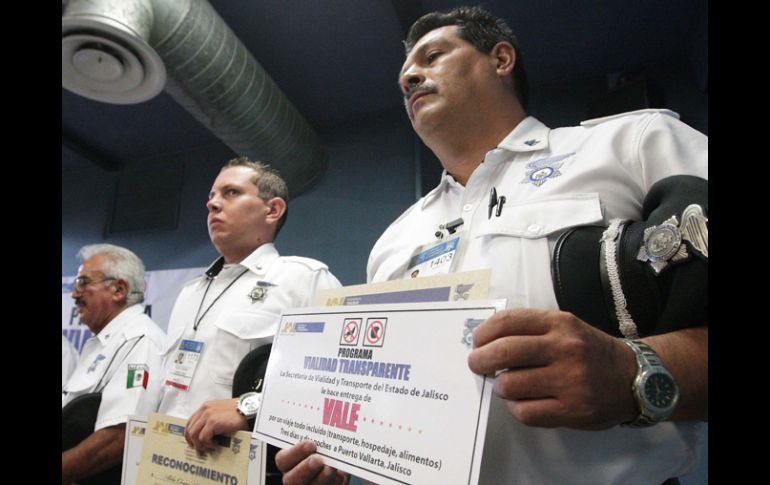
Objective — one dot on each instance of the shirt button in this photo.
(259, 267)
(467, 207)
(534, 228)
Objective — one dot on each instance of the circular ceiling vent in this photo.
(102, 60)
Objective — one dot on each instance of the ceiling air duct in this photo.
(127, 51)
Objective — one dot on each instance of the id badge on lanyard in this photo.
(435, 258)
(184, 364)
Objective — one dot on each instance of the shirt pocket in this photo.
(520, 241)
(237, 333)
(544, 217)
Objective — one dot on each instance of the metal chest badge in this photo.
(259, 292)
(539, 171)
(663, 243)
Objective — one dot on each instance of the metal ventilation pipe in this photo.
(186, 45)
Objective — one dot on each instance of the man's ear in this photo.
(276, 208)
(504, 56)
(119, 289)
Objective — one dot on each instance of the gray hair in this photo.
(119, 263)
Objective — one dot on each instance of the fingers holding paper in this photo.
(555, 369)
(211, 419)
(301, 466)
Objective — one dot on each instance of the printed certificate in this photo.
(132, 452)
(384, 390)
(167, 458)
(468, 285)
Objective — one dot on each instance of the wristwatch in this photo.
(654, 388)
(248, 404)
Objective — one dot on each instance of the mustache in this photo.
(427, 86)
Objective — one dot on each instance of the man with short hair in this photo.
(117, 361)
(564, 387)
(235, 306)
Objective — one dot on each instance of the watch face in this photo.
(659, 390)
(249, 405)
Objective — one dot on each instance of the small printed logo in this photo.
(95, 363)
(461, 292)
(375, 332)
(288, 327)
(351, 330)
(253, 452)
(539, 171)
(309, 327)
(470, 324)
(168, 428)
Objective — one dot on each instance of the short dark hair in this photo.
(480, 28)
(268, 181)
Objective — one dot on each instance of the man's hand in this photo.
(213, 418)
(95, 454)
(557, 369)
(301, 466)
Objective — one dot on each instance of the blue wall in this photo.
(369, 182)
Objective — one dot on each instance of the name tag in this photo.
(434, 258)
(184, 364)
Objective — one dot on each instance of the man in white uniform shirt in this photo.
(235, 306)
(118, 361)
(69, 359)
(564, 387)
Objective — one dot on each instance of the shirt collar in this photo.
(256, 262)
(528, 136)
(447, 183)
(118, 324)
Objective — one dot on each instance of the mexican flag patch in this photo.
(138, 374)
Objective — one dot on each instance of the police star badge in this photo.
(662, 244)
(259, 292)
(539, 171)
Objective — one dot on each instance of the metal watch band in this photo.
(645, 356)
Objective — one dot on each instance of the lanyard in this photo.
(197, 320)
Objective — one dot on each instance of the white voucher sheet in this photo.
(384, 390)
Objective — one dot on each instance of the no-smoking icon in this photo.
(375, 332)
(351, 329)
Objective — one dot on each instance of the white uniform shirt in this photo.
(236, 323)
(69, 359)
(128, 346)
(554, 179)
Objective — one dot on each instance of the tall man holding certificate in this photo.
(235, 305)
(567, 410)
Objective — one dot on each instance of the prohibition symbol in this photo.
(375, 332)
(351, 329)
